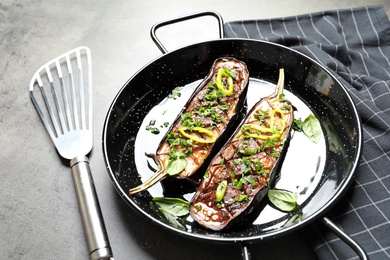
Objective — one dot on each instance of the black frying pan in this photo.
(321, 173)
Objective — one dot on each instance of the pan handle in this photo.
(184, 18)
(347, 239)
(333, 227)
(245, 252)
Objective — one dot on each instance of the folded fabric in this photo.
(355, 45)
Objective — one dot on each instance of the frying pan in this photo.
(321, 173)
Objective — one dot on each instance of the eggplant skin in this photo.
(202, 153)
(248, 162)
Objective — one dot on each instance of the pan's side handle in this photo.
(184, 18)
(347, 239)
(245, 252)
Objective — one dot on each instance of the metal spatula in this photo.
(65, 107)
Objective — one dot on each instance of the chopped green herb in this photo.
(249, 151)
(268, 144)
(238, 183)
(246, 170)
(241, 198)
(250, 180)
(197, 208)
(281, 96)
(230, 73)
(263, 171)
(212, 85)
(223, 106)
(221, 161)
(152, 129)
(214, 95)
(175, 93)
(188, 151)
(188, 121)
(261, 117)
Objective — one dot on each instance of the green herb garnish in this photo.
(297, 125)
(283, 200)
(174, 206)
(172, 211)
(250, 180)
(177, 162)
(241, 198)
(214, 95)
(311, 128)
(175, 93)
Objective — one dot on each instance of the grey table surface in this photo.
(39, 215)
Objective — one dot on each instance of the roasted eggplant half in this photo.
(239, 176)
(198, 131)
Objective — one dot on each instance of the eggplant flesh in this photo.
(198, 131)
(239, 176)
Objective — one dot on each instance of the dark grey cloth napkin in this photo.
(355, 45)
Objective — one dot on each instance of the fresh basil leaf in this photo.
(294, 219)
(168, 218)
(312, 128)
(176, 166)
(297, 125)
(174, 206)
(174, 221)
(177, 162)
(283, 200)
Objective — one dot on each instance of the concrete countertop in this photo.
(39, 215)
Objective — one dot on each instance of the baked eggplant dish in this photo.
(197, 133)
(240, 174)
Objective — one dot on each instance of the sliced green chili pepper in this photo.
(221, 190)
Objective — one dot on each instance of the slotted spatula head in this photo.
(61, 91)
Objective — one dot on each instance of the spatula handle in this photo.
(91, 215)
